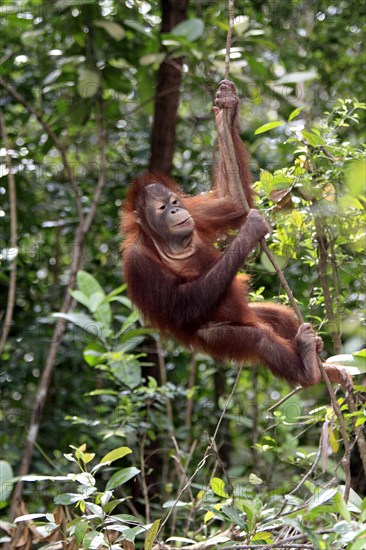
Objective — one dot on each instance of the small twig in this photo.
(163, 378)
(255, 420)
(279, 403)
(189, 405)
(13, 237)
(323, 275)
(145, 491)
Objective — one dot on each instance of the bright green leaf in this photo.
(295, 113)
(218, 487)
(93, 354)
(120, 452)
(356, 178)
(268, 126)
(312, 138)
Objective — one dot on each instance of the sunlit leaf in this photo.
(295, 113)
(150, 537)
(356, 178)
(93, 354)
(113, 29)
(268, 126)
(116, 454)
(312, 138)
(218, 487)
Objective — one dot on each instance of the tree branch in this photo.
(77, 260)
(13, 236)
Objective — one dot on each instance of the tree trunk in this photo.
(167, 94)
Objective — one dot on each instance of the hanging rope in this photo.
(232, 168)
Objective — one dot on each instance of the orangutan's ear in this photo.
(136, 217)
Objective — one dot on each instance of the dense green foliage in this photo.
(84, 71)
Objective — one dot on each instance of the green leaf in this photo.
(191, 29)
(320, 496)
(255, 480)
(265, 536)
(29, 517)
(120, 452)
(152, 58)
(218, 487)
(351, 361)
(356, 178)
(93, 540)
(127, 371)
(93, 354)
(68, 498)
(95, 301)
(61, 4)
(121, 477)
(82, 321)
(295, 113)
(233, 516)
(113, 29)
(268, 126)
(80, 531)
(342, 506)
(312, 138)
(96, 510)
(90, 287)
(267, 264)
(88, 284)
(31, 38)
(89, 82)
(300, 76)
(6, 485)
(80, 297)
(137, 27)
(116, 291)
(150, 537)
